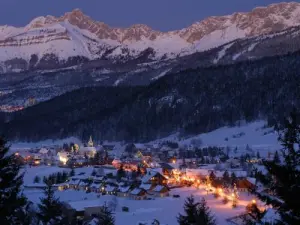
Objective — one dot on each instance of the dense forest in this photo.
(189, 102)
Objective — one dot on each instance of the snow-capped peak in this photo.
(76, 34)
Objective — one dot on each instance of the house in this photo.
(111, 190)
(73, 183)
(160, 191)
(147, 187)
(137, 194)
(116, 163)
(108, 147)
(123, 191)
(244, 185)
(84, 184)
(44, 152)
(85, 209)
(154, 177)
(167, 169)
(61, 187)
(96, 186)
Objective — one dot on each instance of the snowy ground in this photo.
(41, 171)
(255, 134)
(164, 209)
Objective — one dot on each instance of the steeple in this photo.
(90, 143)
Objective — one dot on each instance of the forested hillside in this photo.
(191, 101)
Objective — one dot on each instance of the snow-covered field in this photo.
(255, 134)
(164, 209)
(41, 171)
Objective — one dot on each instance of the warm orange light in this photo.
(198, 181)
(174, 161)
(253, 201)
(220, 190)
(37, 162)
(17, 153)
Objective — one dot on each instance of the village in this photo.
(148, 172)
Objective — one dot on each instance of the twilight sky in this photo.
(159, 14)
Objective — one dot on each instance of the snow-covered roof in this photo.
(81, 205)
(251, 180)
(146, 178)
(270, 216)
(110, 188)
(43, 151)
(87, 149)
(136, 191)
(158, 188)
(146, 187)
(124, 189)
(96, 185)
(74, 181)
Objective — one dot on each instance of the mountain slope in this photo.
(189, 102)
(50, 40)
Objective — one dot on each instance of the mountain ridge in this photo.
(77, 35)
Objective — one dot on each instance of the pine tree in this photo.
(226, 178)
(64, 176)
(203, 215)
(257, 155)
(190, 209)
(233, 178)
(276, 157)
(59, 178)
(37, 179)
(105, 217)
(50, 208)
(12, 203)
(72, 172)
(121, 172)
(282, 180)
(212, 176)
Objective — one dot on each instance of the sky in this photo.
(161, 15)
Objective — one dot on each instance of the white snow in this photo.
(222, 53)
(219, 37)
(25, 145)
(161, 74)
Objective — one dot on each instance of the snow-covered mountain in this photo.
(50, 42)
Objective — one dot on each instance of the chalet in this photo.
(61, 187)
(108, 147)
(147, 187)
(154, 177)
(85, 209)
(73, 183)
(116, 163)
(96, 186)
(44, 152)
(244, 185)
(160, 191)
(84, 184)
(123, 191)
(111, 190)
(167, 169)
(137, 194)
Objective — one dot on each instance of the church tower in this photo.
(90, 143)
